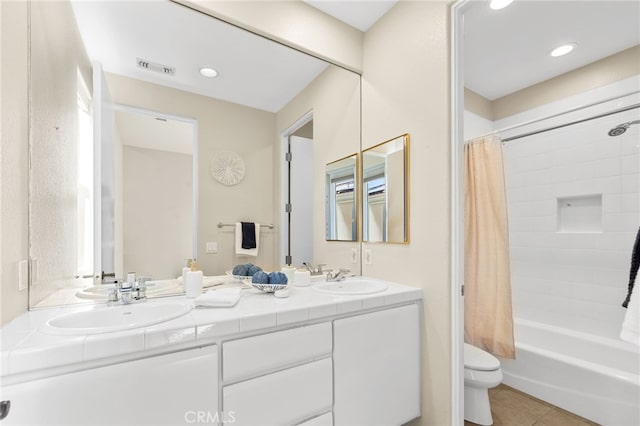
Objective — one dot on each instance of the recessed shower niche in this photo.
(580, 214)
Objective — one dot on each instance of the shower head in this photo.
(621, 128)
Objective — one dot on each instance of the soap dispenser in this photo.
(184, 273)
(193, 283)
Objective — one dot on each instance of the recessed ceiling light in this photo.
(562, 50)
(499, 4)
(208, 72)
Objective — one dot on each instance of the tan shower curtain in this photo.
(488, 320)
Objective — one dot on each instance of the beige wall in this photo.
(157, 196)
(477, 104)
(14, 158)
(334, 98)
(293, 23)
(405, 89)
(221, 126)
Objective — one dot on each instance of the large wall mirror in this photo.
(385, 192)
(342, 199)
(125, 124)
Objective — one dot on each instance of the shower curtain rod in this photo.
(571, 123)
(537, 120)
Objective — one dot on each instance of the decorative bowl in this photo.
(244, 279)
(269, 288)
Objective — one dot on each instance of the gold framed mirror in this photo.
(341, 199)
(385, 192)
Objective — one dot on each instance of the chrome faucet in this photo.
(129, 291)
(317, 270)
(338, 276)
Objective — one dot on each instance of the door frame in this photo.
(457, 212)
(284, 183)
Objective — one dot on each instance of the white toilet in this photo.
(481, 372)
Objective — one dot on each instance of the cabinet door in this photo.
(283, 398)
(377, 368)
(171, 389)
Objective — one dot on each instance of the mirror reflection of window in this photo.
(341, 200)
(374, 191)
(385, 192)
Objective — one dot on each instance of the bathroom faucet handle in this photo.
(113, 295)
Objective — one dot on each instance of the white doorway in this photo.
(297, 193)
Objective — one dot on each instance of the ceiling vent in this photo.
(148, 65)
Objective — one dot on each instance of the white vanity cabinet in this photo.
(346, 363)
(280, 378)
(171, 389)
(377, 368)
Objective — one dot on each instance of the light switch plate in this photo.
(211, 247)
(23, 275)
(368, 257)
(354, 255)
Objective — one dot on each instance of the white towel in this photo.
(246, 252)
(222, 298)
(631, 324)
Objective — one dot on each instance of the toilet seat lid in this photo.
(477, 359)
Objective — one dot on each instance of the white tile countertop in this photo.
(28, 346)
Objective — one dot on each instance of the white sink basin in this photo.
(116, 318)
(351, 287)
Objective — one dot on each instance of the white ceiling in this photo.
(253, 71)
(360, 14)
(507, 50)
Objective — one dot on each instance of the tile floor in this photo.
(511, 407)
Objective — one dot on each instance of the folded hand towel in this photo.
(243, 251)
(222, 298)
(248, 235)
(631, 325)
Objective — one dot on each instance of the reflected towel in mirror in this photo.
(243, 251)
(248, 235)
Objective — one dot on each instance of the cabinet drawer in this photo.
(252, 356)
(282, 398)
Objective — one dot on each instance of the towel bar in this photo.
(220, 225)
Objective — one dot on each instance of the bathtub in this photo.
(592, 376)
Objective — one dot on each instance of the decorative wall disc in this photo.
(227, 167)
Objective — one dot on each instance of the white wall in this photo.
(57, 54)
(574, 280)
(405, 89)
(476, 126)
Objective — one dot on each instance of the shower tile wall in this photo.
(575, 280)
